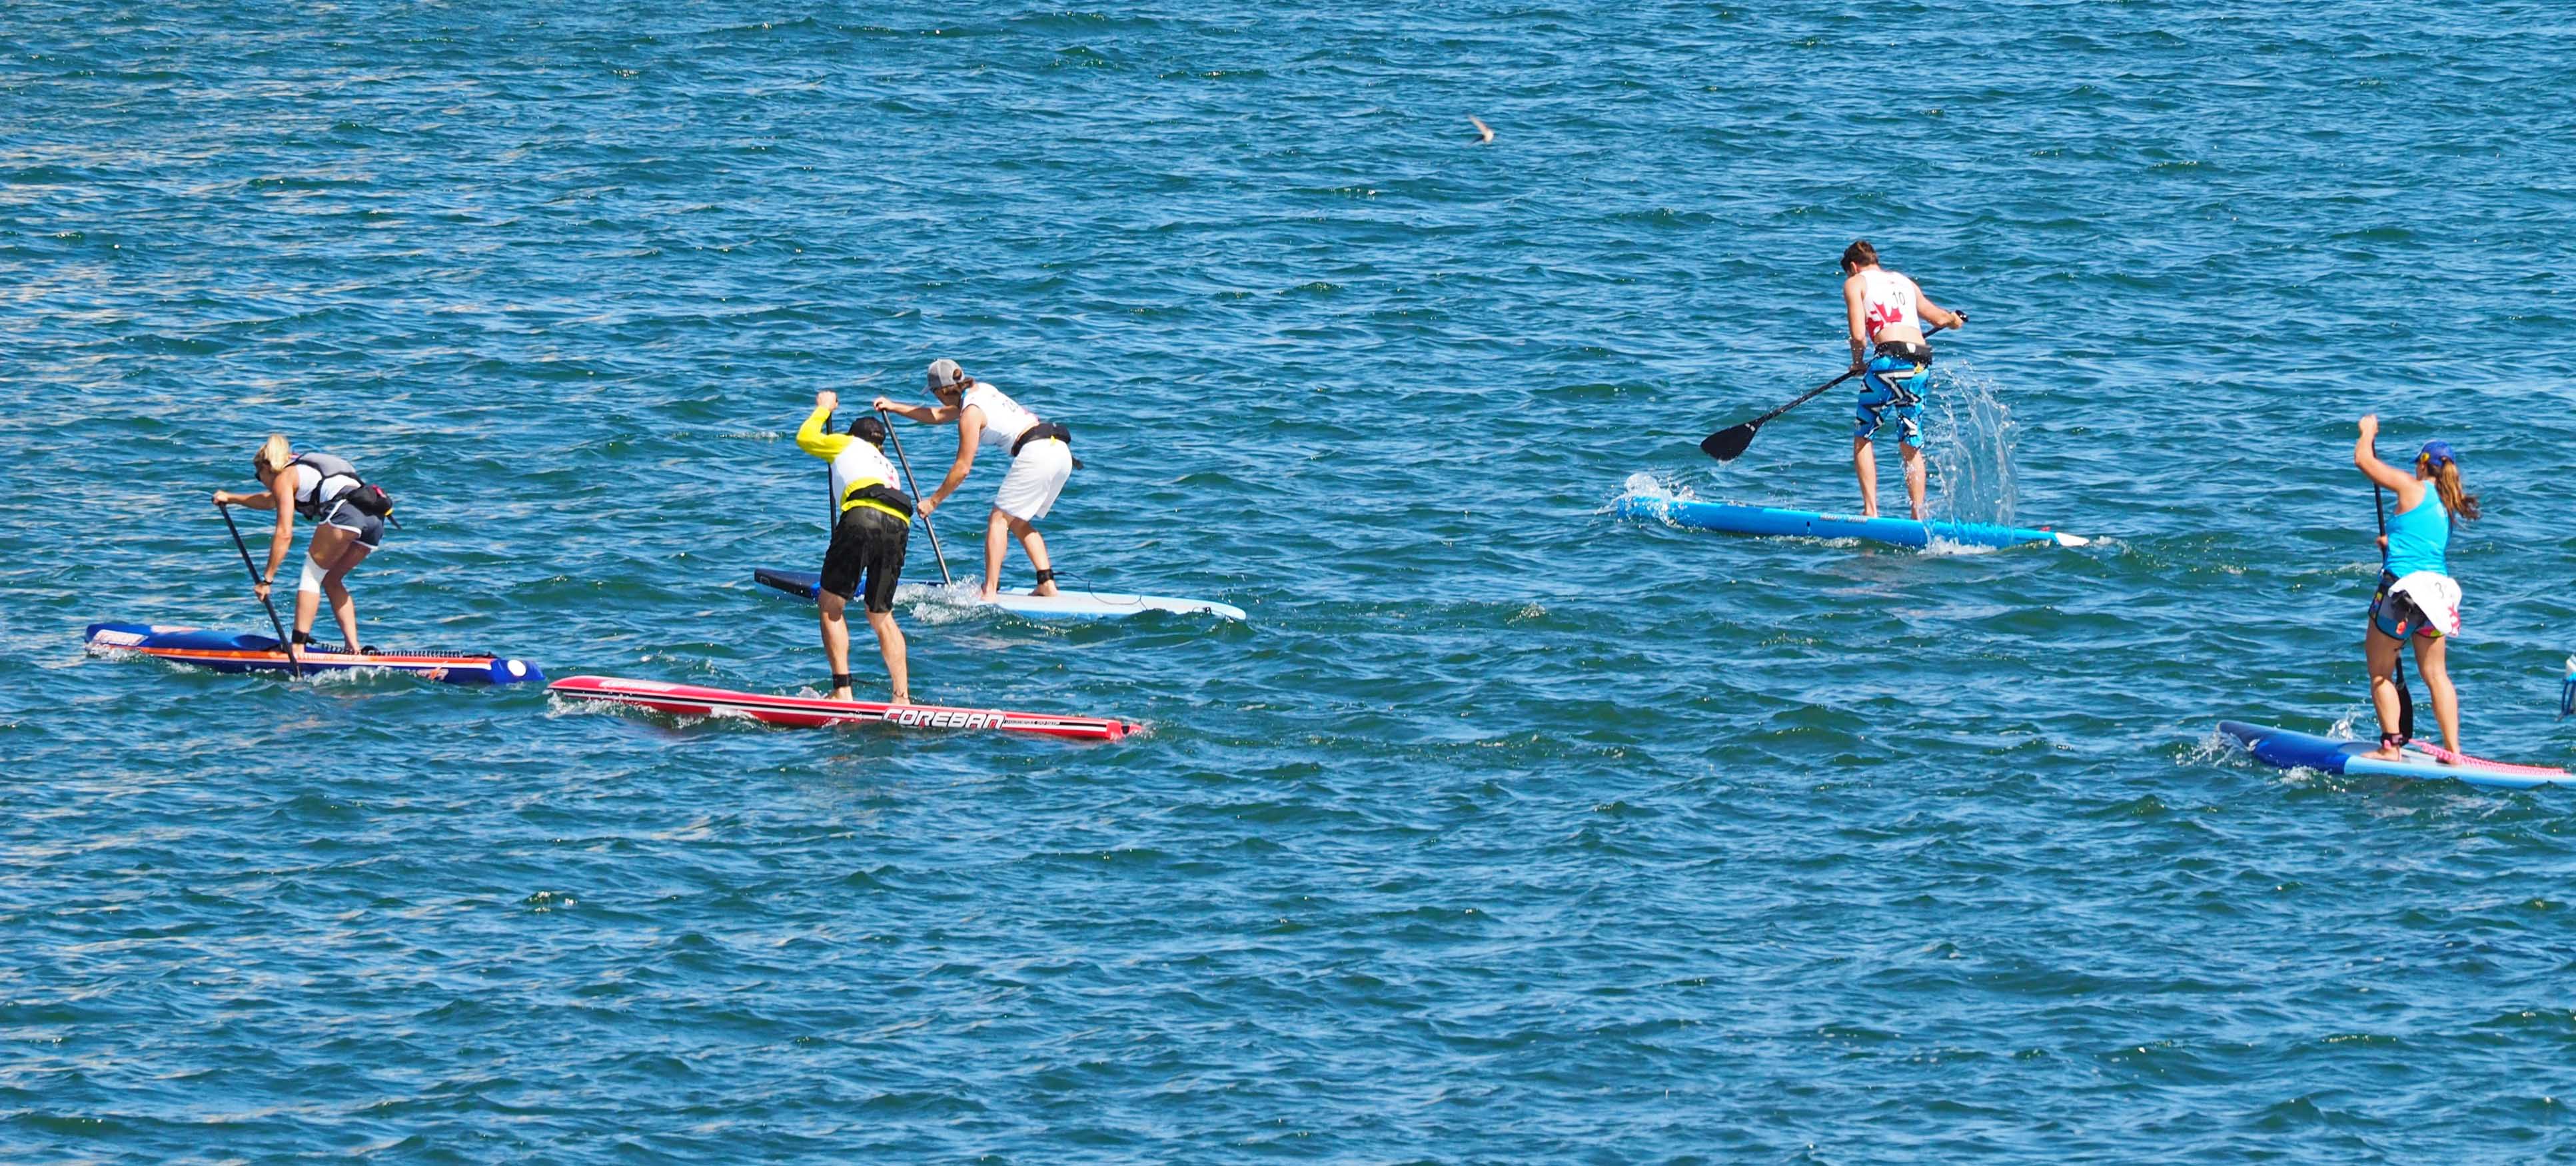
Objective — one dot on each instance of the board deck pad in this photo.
(1771, 522)
(809, 712)
(245, 652)
(1066, 605)
(2290, 749)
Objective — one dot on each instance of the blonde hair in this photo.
(2462, 505)
(273, 455)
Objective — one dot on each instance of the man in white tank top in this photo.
(1885, 312)
(1041, 456)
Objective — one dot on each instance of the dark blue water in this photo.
(1504, 830)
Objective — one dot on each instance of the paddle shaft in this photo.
(1714, 441)
(294, 668)
(1803, 398)
(908, 480)
(2397, 669)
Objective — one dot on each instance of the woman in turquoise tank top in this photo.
(2417, 599)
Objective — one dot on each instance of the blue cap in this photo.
(2438, 453)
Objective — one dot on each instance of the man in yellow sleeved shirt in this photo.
(868, 541)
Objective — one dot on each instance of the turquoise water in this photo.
(1504, 830)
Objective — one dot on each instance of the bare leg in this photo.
(836, 638)
(1035, 544)
(2381, 651)
(324, 549)
(996, 544)
(335, 584)
(1865, 464)
(2430, 664)
(890, 646)
(1915, 474)
(307, 605)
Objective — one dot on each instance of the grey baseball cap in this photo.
(944, 373)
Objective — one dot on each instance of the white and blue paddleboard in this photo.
(1062, 605)
(2295, 750)
(1766, 521)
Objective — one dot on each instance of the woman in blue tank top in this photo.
(2417, 599)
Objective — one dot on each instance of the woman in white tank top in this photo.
(1041, 460)
(1885, 312)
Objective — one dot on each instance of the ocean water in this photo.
(1504, 830)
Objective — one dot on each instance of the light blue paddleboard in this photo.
(1063, 605)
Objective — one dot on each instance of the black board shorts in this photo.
(868, 544)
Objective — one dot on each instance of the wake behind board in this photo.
(244, 652)
(2294, 750)
(807, 712)
(1769, 522)
(1064, 605)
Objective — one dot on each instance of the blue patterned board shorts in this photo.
(1892, 388)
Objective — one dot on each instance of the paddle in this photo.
(1729, 443)
(294, 667)
(2405, 698)
(915, 487)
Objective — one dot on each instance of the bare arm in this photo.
(1941, 317)
(1858, 321)
(2403, 484)
(970, 430)
(926, 414)
(280, 497)
(281, 540)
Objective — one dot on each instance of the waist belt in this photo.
(880, 496)
(1907, 351)
(1040, 432)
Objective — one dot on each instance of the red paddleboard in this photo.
(808, 712)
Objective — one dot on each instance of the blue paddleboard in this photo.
(1770, 522)
(247, 652)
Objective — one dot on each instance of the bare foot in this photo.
(842, 695)
(2384, 753)
(1046, 588)
(901, 698)
(988, 596)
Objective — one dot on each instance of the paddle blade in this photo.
(1728, 444)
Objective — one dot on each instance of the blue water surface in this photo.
(1504, 830)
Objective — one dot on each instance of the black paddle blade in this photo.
(1726, 445)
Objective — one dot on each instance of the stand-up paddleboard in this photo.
(2293, 750)
(1766, 521)
(807, 712)
(243, 652)
(1063, 605)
